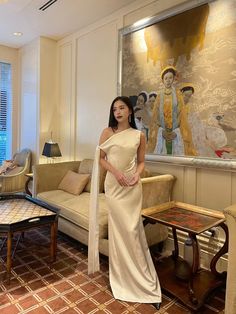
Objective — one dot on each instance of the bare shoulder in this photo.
(142, 139)
(142, 136)
(106, 133)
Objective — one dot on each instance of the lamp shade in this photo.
(51, 150)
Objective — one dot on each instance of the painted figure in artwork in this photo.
(216, 137)
(142, 113)
(195, 124)
(151, 100)
(169, 130)
(187, 91)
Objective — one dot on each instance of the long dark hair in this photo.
(112, 120)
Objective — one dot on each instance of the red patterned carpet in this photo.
(66, 288)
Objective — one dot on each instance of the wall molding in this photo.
(196, 162)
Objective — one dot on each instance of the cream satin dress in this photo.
(131, 271)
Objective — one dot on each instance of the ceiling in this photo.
(63, 17)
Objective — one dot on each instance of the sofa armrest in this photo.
(157, 189)
(230, 298)
(13, 183)
(48, 176)
(230, 211)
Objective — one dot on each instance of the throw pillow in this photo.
(14, 171)
(7, 165)
(86, 166)
(73, 182)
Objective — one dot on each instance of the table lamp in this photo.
(51, 150)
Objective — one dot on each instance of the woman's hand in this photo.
(121, 178)
(134, 179)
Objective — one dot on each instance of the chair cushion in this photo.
(73, 182)
(86, 166)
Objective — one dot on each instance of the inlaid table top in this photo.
(16, 210)
(19, 212)
(185, 217)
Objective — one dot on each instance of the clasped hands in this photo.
(123, 180)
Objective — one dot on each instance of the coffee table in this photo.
(19, 213)
(189, 283)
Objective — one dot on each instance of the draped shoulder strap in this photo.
(93, 251)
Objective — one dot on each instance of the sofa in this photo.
(74, 209)
(230, 297)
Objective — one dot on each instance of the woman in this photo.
(131, 271)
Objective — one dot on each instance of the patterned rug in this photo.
(66, 287)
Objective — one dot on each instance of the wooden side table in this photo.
(29, 178)
(189, 283)
(19, 213)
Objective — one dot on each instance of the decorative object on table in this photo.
(51, 150)
(12, 178)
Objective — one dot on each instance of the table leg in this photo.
(9, 260)
(27, 186)
(221, 252)
(175, 253)
(53, 247)
(195, 267)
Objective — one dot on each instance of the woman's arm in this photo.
(140, 160)
(120, 177)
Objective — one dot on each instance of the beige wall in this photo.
(10, 55)
(29, 115)
(38, 116)
(48, 94)
(88, 83)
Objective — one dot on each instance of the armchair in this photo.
(14, 180)
(230, 298)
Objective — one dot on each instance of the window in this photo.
(5, 111)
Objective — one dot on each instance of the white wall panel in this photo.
(96, 85)
(233, 188)
(213, 188)
(190, 185)
(66, 109)
(30, 97)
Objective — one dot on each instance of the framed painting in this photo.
(179, 70)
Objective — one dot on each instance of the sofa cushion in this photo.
(75, 208)
(86, 166)
(73, 182)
